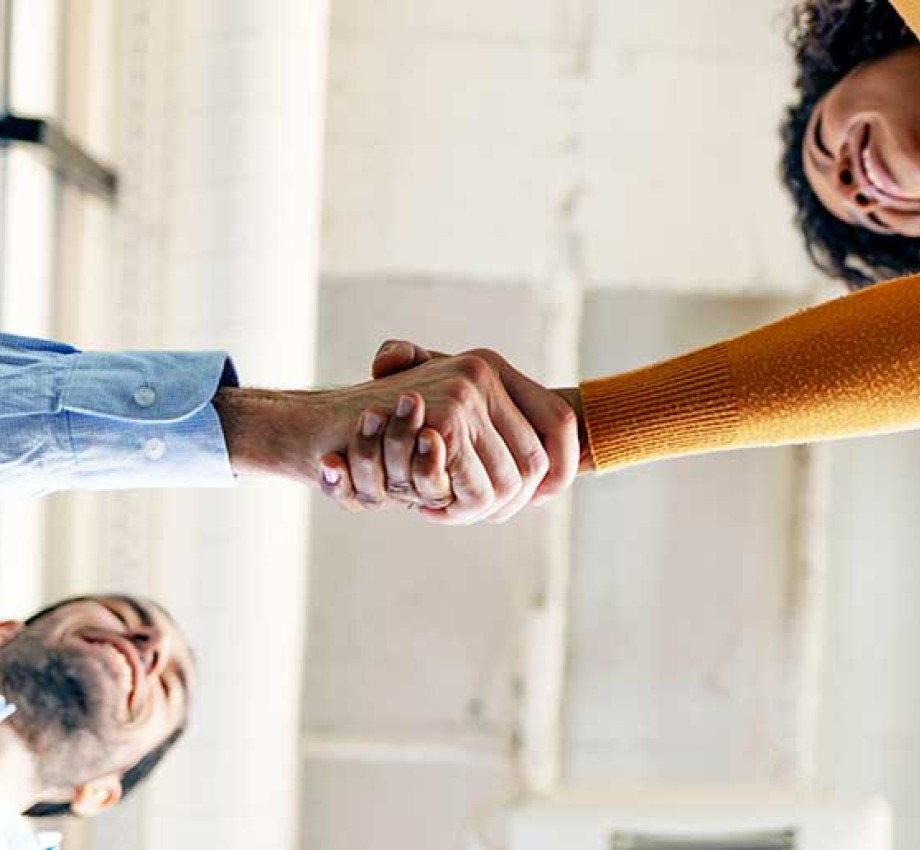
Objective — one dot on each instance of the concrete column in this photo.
(222, 117)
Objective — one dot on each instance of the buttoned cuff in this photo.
(145, 420)
(145, 386)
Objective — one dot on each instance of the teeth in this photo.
(127, 673)
(870, 170)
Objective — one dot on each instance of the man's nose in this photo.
(849, 187)
(153, 648)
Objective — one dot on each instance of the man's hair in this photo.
(132, 777)
(830, 38)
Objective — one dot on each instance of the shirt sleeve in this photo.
(849, 367)
(72, 420)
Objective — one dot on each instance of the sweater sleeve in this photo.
(848, 367)
(910, 11)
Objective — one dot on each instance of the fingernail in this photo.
(424, 445)
(331, 476)
(404, 406)
(371, 424)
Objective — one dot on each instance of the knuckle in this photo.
(369, 500)
(366, 451)
(565, 416)
(478, 500)
(488, 355)
(462, 390)
(400, 488)
(535, 463)
(508, 486)
(474, 367)
(397, 438)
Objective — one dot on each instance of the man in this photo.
(99, 690)
(100, 420)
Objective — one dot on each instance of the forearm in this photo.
(848, 367)
(273, 432)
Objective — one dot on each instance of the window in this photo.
(57, 195)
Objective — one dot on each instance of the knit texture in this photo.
(848, 367)
(910, 11)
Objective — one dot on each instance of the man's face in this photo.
(98, 683)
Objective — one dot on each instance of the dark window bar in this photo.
(63, 154)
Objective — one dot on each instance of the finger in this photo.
(429, 471)
(496, 453)
(365, 458)
(399, 445)
(472, 487)
(555, 422)
(529, 456)
(398, 355)
(335, 482)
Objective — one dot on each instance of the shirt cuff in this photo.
(145, 420)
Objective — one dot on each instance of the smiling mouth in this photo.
(874, 175)
(124, 666)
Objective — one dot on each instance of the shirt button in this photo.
(145, 396)
(154, 449)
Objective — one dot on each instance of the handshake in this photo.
(461, 438)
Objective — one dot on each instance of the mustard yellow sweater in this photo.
(845, 368)
(910, 11)
(848, 367)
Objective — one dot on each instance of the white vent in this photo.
(784, 839)
(695, 819)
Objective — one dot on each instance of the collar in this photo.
(14, 833)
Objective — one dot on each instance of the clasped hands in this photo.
(467, 438)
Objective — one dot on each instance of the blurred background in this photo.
(584, 185)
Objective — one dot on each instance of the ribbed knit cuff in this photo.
(683, 406)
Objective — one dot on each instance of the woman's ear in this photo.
(96, 796)
(9, 629)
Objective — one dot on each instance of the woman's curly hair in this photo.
(830, 38)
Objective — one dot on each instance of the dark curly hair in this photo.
(830, 38)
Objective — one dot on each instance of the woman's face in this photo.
(862, 146)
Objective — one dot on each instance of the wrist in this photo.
(269, 432)
(572, 397)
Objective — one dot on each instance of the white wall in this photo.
(870, 734)
(467, 139)
(491, 171)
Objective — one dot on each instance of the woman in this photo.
(852, 140)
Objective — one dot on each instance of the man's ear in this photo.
(96, 796)
(9, 629)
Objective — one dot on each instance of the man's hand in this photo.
(413, 473)
(493, 456)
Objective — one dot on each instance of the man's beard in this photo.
(57, 709)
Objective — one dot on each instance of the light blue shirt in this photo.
(72, 420)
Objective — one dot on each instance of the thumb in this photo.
(398, 355)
